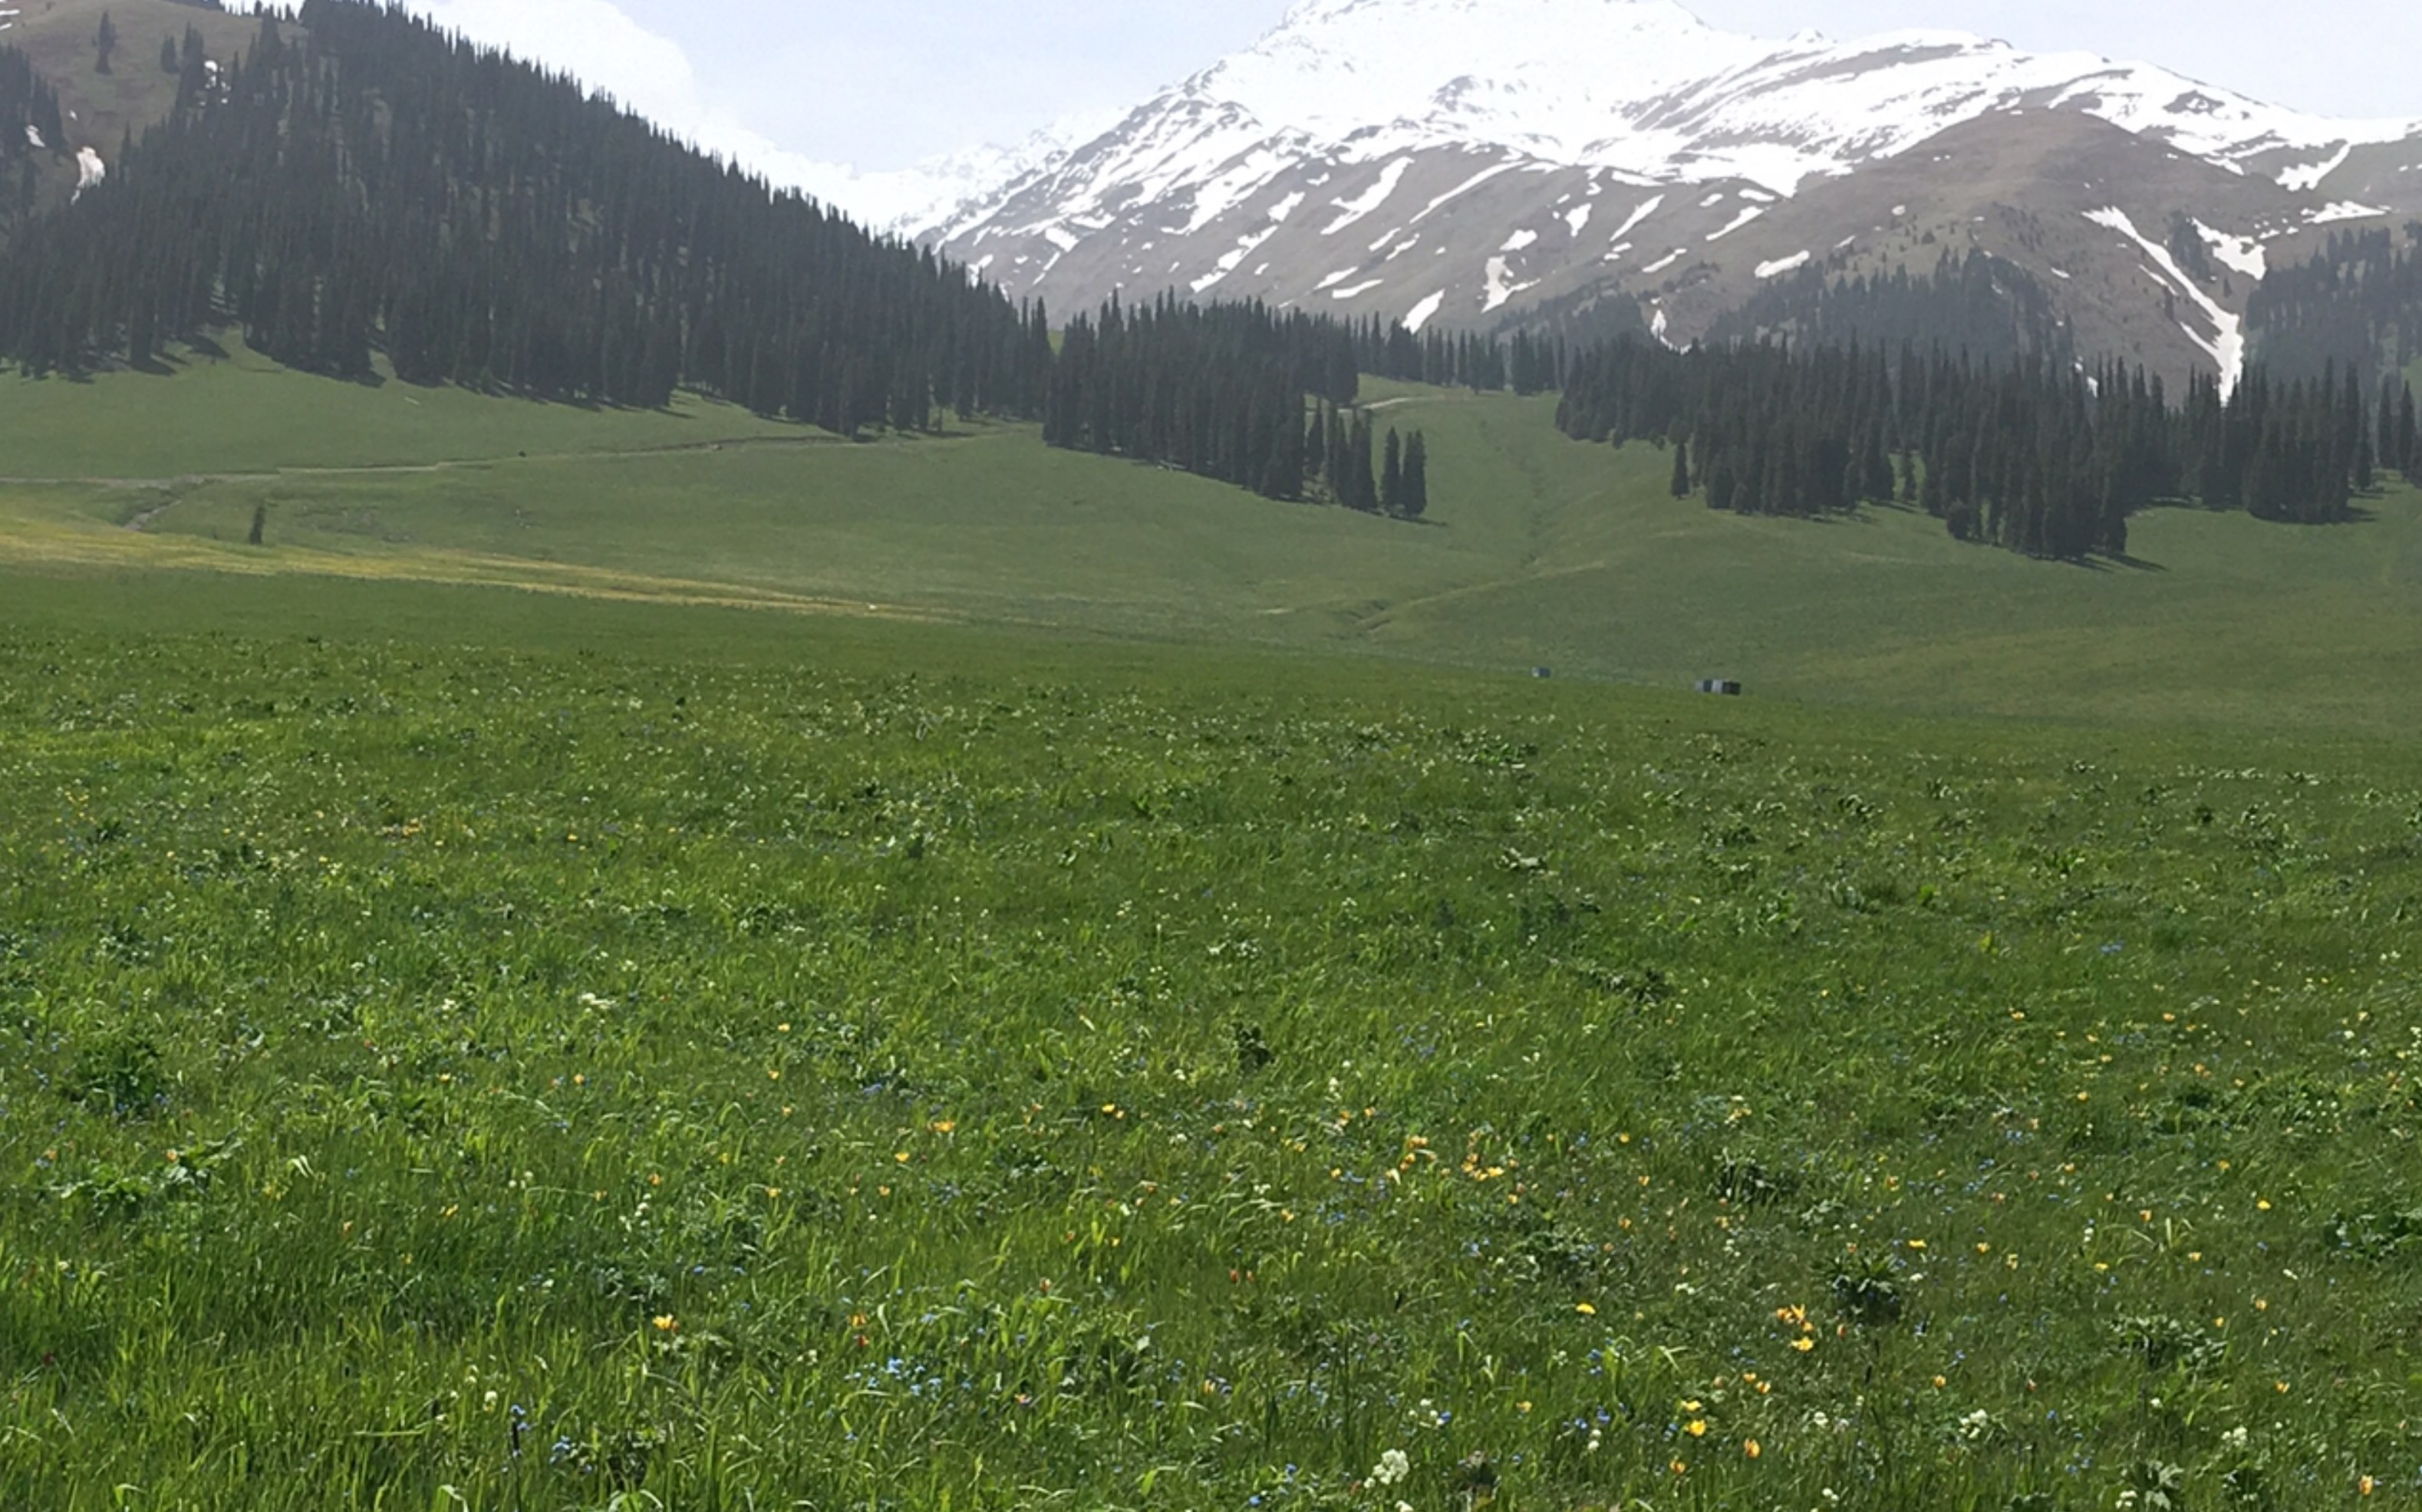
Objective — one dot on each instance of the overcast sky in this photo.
(885, 85)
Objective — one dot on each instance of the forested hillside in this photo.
(1977, 304)
(2046, 459)
(29, 127)
(359, 185)
(364, 182)
(2358, 301)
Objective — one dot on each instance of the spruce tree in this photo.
(168, 63)
(104, 43)
(1417, 477)
(1682, 468)
(1391, 475)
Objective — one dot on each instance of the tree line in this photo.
(367, 183)
(2046, 458)
(1975, 303)
(2358, 301)
(30, 132)
(1219, 390)
(361, 186)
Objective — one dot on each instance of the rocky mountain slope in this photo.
(1473, 162)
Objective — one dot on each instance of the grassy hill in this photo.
(1540, 552)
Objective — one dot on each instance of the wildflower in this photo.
(1393, 1466)
(1750, 1449)
(1680, 1469)
(1585, 1310)
(2365, 1485)
(1698, 1428)
(667, 1323)
(1803, 1344)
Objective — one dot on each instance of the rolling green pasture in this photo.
(1541, 552)
(239, 413)
(631, 960)
(474, 1050)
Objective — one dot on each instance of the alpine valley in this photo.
(1581, 165)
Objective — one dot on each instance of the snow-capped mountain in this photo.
(1464, 160)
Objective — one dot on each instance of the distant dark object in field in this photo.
(1543, 673)
(1253, 1052)
(259, 524)
(1721, 687)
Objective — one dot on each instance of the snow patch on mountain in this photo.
(2310, 176)
(1782, 265)
(1361, 206)
(2345, 210)
(1423, 313)
(1462, 189)
(2228, 345)
(90, 170)
(2243, 253)
(1631, 223)
(1737, 223)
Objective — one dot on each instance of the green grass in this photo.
(742, 1060)
(1541, 551)
(241, 412)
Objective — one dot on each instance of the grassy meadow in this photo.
(467, 1050)
(1540, 552)
(660, 961)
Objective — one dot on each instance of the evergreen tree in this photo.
(104, 43)
(168, 63)
(1417, 477)
(1682, 468)
(1391, 475)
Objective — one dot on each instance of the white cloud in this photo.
(650, 74)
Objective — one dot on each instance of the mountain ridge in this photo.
(1468, 129)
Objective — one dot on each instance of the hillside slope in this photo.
(1540, 551)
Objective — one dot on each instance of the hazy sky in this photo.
(883, 85)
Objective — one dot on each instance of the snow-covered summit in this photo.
(1465, 160)
(1646, 87)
